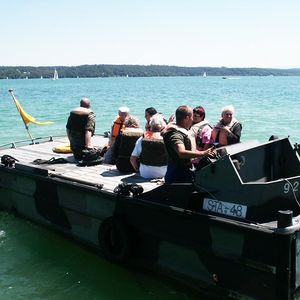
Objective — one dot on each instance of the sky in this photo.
(214, 33)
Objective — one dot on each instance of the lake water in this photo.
(38, 264)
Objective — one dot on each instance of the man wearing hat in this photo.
(116, 128)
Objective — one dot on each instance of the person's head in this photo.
(149, 112)
(157, 123)
(227, 114)
(131, 122)
(123, 112)
(184, 116)
(85, 102)
(198, 114)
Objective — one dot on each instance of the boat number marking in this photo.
(291, 186)
(225, 208)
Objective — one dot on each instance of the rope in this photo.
(8, 161)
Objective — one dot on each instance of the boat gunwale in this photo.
(257, 227)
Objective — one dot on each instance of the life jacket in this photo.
(81, 119)
(153, 152)
(116, 127)
(124, 146)
(77, 122)
(199, 142)
(173, 157)
(219, 136)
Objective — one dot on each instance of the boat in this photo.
(204, 74)
(232, 233)
(55, 75)
(232, 78)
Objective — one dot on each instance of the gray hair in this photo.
(131, 121)
(157, 123)
(227, 108)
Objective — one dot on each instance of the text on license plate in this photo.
(225, 208)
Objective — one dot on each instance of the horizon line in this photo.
(146, 65)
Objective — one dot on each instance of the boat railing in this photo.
(38, 140)
(15, 144)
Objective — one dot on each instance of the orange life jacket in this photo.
(117, 127)
(219, 136)
(148, 134)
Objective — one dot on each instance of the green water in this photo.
(39, 264)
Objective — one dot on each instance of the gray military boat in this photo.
(233, 233)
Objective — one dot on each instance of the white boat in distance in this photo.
(204, 74)
(55, 76)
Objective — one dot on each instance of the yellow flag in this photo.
(26, 117)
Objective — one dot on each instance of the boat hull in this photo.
(162, 229)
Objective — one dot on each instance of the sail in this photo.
(55, 76)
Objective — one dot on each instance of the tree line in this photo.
(85, 71)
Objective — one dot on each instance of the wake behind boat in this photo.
(234, 232)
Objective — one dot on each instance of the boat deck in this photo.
(104, 174)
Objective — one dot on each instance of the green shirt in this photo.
(172, 138)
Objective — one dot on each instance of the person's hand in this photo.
(225, 130)
(211, 152)
(171, 118)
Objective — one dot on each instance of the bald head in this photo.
(85, 102)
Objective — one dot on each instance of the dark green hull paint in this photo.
(167, 230)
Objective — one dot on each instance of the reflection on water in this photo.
(39, 264)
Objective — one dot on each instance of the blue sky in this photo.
(231, 33)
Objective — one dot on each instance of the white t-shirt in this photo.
(145, 170)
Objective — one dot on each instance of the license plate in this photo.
(225, 208)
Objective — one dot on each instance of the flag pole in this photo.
(26, 126)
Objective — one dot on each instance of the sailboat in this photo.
(55, 76)
(204, 74)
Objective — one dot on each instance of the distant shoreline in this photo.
(91, 71)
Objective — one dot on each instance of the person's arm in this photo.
(135, 162)
(88, 139)
(193, 135)
(206, 137)
(136, 152)
(171, 119)
(183, 153)
(90, 129)
(111, 138)
(69, 134)
(234, 135)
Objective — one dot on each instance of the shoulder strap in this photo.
(201, 128)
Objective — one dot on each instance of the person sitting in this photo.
(179, 147)
(81, 127)
(149, 155)
(149, 112)
(116, 129)
(228, 130)
(200, 132)
(124, 144)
